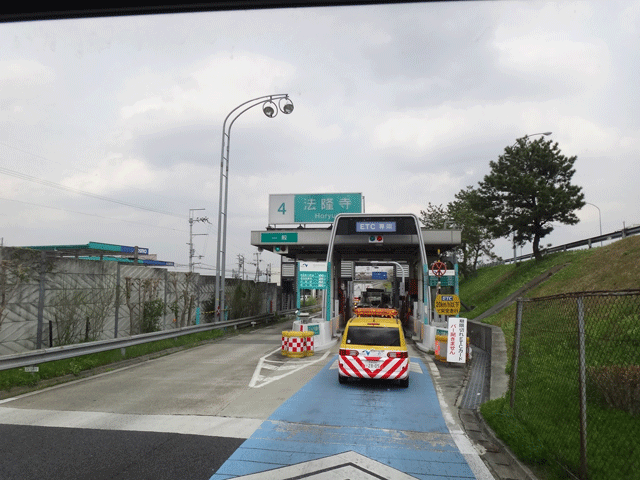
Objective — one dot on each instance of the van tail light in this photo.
(345, 352)
(398, 354)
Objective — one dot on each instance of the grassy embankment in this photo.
(613, 267)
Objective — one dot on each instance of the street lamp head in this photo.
(269, 108)
(286, 105)
(544, 134)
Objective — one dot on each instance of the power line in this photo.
(48, 183)
(90, 214)
(35, 155)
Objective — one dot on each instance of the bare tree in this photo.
(18, 267)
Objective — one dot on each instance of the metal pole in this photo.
(191, 235)
(516, 352)
(397, 264)
(190, 241)
(599, 218)
(41, 295)
(583, 390)
(224, 184)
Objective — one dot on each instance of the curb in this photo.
(524, 472)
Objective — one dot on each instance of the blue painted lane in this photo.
(399, 427)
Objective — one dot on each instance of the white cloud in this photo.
(630, 19)
(206, 89)
(25, 73)
(143, 106)
(404, 103)
(112, 175)
(448, 125)
(549, 55)
(417, 131)
(582, 135)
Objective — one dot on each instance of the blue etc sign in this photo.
(377, 227)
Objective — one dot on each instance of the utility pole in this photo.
(241, 266)
(192, 251)
(257, 264)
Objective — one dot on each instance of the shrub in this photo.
(151, 313)
(619, 385)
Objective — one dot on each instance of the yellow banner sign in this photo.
(447, 304)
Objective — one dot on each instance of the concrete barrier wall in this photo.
(491, 339)
(79, 297)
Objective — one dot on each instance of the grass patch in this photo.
(489, 285)
(17, 377)
(543, 431)
(525, 445)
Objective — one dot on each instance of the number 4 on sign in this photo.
(282, 208)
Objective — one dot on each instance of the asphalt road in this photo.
(179, 416)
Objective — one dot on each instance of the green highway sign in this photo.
(313, 280)
(445, 281)
(312, 207)
(270, 237)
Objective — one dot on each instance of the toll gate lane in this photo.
(377, 429)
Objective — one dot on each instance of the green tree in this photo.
(435, 217)
(477, 241)
(529, 188)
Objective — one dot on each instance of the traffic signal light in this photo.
(281, 249)
(376, 239)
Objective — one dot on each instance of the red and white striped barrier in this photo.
(297, 344)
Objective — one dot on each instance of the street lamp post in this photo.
(526, 137)
(599, 218)
(270, 109)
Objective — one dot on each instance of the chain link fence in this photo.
(575, 381)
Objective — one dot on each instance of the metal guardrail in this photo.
(64, 352)
(581, 243)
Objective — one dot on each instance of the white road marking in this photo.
(212, 426)
(460, 438)
(258, 380)
(415, 367)
(343, 465)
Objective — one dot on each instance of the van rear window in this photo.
(378, 336)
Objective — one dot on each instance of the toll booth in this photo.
(396, 241)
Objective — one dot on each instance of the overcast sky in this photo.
(110, 128)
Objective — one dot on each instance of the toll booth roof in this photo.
(312, 244)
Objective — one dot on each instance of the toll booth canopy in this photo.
(362, 239)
